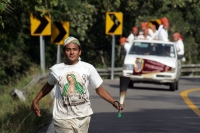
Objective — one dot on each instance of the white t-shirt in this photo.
(71, 94)
(180, 47)
(130, 38)
(159, 29)
(153, 35)
(127, 46)
(163, 35)
(141, 37)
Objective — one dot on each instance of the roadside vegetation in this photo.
(16, 115)
(20, 50)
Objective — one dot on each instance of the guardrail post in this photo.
(191, 74)
(113, 57)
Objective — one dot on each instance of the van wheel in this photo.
(130, 85)
(173, 86)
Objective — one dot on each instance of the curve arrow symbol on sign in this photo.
(115, 25)
(42, 25)
(62, 32)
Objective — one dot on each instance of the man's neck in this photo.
(71, 62)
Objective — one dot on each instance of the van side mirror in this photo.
(180, 56)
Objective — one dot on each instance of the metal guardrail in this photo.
(20, 94)
(103, 72)
(190, 70)
(107, 71)
(186, 70)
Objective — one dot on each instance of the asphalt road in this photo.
(148, 109)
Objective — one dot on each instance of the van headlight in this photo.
(173, 70)
(128, 67)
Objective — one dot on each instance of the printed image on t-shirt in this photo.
(73, 89)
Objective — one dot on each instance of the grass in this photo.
(16, 115)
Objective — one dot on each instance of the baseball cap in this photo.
(71, 39)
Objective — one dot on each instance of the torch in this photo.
(124, 81)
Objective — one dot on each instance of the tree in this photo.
(87, 22)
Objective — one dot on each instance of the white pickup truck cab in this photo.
(152, 61)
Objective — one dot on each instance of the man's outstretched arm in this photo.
(43, 92)
(106, 96)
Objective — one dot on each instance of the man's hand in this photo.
(116, 104)
(36, 109)
(105, 95)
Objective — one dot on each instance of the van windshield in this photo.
(157, 49)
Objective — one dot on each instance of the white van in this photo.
(152, 61)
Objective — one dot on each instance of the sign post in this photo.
(113, 57)
(58, 54)
(114, 22)
(60, 31)
(41, 27)
(42, 55)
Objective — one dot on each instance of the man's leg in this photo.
(66, 126)
(84, 123)
(76, 125)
